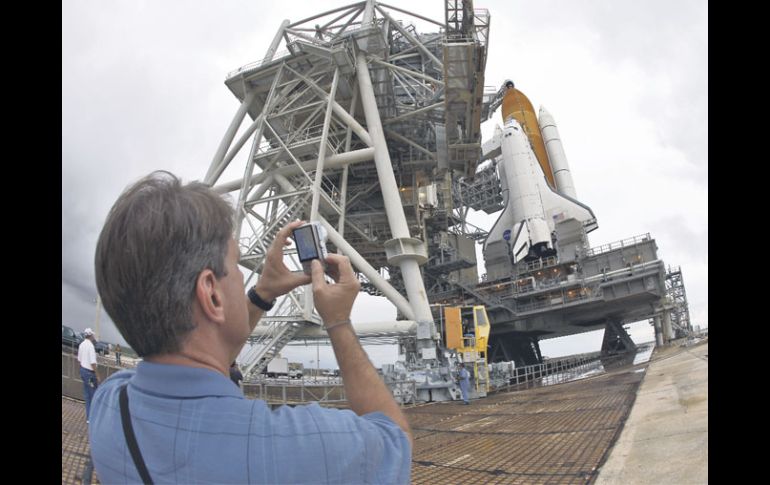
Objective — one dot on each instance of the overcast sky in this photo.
(626, 81)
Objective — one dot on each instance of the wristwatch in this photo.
(259, 302)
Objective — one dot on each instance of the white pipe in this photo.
(636, 268)
(335, 161)
(397, 327)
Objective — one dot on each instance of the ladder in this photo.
(481, 371)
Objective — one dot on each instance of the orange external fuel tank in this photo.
(517, 105)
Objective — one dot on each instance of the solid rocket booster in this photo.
(558, 159)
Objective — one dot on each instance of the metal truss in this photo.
(482, 192)
(361, 123)
(680, 313)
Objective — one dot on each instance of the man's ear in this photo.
(209, 296)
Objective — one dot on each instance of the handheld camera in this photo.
(310, 239)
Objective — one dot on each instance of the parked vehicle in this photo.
(70, 340)
(295, 374)
(102, 348)
(278, 367)
(296, 370)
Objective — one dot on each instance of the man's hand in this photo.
(366, 392)
(334, 302)
(276, 278)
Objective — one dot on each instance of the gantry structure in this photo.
(361, 123)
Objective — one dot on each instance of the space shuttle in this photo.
(541, 216)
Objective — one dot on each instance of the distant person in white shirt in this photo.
(87, 359)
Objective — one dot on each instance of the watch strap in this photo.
(259, 302)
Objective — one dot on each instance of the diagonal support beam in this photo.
(380, 62)
(412, 39)
(443, 26)
(341, 113)
(416, 112)
(372, 274)
(250, 161)
(409, 142)
(319, 169)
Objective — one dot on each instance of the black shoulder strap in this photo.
(128, 430)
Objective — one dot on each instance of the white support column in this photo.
(368, 13)
(229, 135)
(658, 332)
(668, 332)
(402, 242)
(276, 41)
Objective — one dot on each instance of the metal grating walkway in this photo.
(559, 434)
(74, 441)
(555, 435)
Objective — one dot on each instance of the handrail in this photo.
(617, 244)
(256, 64)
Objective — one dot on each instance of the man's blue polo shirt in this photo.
(193, 425)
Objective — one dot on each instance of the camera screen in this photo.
(306, 247)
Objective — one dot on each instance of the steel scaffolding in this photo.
(361, 123)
